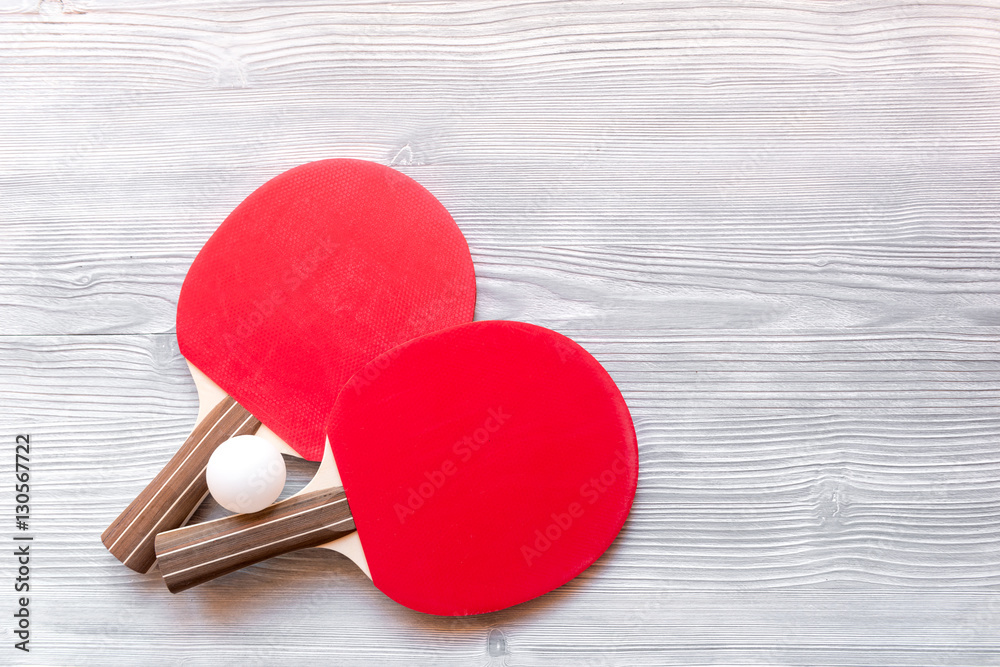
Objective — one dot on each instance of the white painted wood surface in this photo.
(776, 223)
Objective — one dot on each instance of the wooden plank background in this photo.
(776, 224)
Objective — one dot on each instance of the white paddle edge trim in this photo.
(210, 394)
(327, 477)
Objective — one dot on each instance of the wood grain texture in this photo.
(776, 223)
(198, 553)
(177, 489)
(580, 287)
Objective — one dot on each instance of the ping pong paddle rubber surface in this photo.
(315, 273)
(333, 263)
(483, 465)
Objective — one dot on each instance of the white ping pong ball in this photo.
(245, 474)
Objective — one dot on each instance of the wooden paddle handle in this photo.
(195, 554)
(175, 493)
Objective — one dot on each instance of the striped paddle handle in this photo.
(175, 493)
(195, 554)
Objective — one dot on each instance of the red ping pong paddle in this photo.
(482, 465)
(317, 272)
